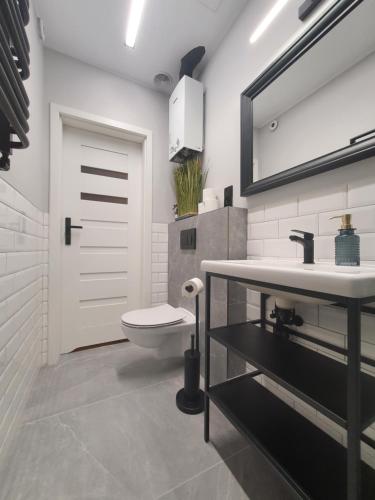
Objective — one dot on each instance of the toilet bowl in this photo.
(164, 328)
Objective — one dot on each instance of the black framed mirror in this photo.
(313, 109)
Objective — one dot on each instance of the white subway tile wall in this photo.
(23, 303)
(159, 264)
(269, 227)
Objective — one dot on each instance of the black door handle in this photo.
(68, 230)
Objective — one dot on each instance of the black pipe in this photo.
(14, 101)
(310, 338)
(323, 343)
(18, 36)
(197, 321)
(6, 58)
(7, 110)
(24, 9)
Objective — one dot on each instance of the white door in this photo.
(101, 268)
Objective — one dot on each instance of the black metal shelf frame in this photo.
(322, 343)
(289, 441)
(305, 374)
(353, 421)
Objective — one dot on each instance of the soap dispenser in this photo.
(346, 243)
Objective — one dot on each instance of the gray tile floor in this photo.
(103, 424)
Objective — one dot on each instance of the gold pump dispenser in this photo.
(346, 220)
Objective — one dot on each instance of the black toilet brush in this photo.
(190, 399)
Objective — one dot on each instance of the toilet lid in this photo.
(154, 316)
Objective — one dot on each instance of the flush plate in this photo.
(188, 239)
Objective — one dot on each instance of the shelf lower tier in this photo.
(315, 378)
(313, 462)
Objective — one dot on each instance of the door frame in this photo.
(59, 116)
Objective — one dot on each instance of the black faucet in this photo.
(308, 245)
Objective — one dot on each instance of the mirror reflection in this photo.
(320, 103)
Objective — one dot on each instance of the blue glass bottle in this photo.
(347, 244)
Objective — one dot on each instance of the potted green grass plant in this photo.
(189, 181)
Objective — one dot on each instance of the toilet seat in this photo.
(154, 317)
(164, 328)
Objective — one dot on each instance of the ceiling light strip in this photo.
(265, 23)
(135, 15)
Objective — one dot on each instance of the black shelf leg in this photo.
(354, 400)
(263, 304)
(207, 361)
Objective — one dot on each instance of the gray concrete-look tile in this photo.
(47, 462)
(243, 475)
(119, 435)
(146, 443)
(107, 373)
(139, 442)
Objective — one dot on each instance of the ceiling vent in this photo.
(163, 81)
(212, 5)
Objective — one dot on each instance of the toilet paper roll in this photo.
(208, 194)
(192, 287)
(201, 209)
(211, 205)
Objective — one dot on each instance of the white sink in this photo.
(355, 282)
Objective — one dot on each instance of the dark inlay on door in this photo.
(101, 171)
(104, 198)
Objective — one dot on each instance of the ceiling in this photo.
(93, 31)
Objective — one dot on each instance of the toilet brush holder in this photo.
(190, 399)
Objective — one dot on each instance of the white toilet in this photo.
(164, 328)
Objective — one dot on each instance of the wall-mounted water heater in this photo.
(186, 120)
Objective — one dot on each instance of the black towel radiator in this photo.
(14, 68)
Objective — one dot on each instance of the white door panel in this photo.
(95, 210)
(103, 262)
(95, 154)
(103, 288)
(99, 184)
(92, 236)
(102, 267)
(100, 315)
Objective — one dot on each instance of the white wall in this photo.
(233, 67)
(29, 168)
(72, 83)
